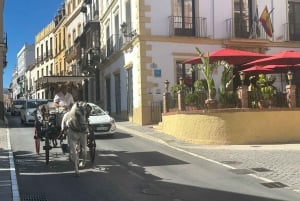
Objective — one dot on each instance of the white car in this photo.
(16, 107)
(28, 110)
(100, 121)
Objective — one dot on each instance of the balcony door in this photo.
(244, 11)
(184, 17)
(294, 20)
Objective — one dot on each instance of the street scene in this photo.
(140, 100)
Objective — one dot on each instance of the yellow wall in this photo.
(247, 127)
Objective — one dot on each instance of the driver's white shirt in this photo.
(64, 100)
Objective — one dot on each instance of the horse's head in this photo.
(82, 111)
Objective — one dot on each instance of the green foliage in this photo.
(191, 99)
(227, 97)
(207, 70)
(266, 90)
(200, 85)
(177, 87)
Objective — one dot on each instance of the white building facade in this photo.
(25, 59)
(159, 35)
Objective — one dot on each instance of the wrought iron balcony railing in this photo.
(113, 44)
(291, 31)
(239, 29)
(187, 26)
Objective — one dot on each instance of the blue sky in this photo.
(23, 19)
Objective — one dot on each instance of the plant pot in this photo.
(264, 104)
(211, 103)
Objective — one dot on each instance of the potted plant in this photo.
(227, 97)
(207, 70)
(266, 90)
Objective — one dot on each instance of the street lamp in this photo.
(290, 77)
(124, 29)
(242, 77)
(167, 85)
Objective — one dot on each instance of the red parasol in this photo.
(287, 58)
(258, 69)
(232, 56)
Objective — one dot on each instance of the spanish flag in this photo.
(266, 22)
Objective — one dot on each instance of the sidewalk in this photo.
(8, 181)
(274, 164)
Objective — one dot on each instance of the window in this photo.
(79, 29)
(294, 21)
(184, 17)
(185, 71)
(42, 51)
(74, 36)
(38, 54)
(69, 40)
(244, 11)
(47, 49)
(51, 48)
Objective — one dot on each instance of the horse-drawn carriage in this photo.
(55, 125)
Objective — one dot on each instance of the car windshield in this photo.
(41, 102)
(31, 104)
(19, 102)
(96, 111)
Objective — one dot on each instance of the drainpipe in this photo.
(272, 7)
(213, 5)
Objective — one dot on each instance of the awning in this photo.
(60, 79)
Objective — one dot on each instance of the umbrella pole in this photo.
(281, 81)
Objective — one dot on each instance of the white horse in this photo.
(75, 125)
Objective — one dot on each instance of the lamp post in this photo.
(242, 77)
(290, 77)
(242, 91)
(167, 85)
(166, 97)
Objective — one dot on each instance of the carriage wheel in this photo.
(91, 143)
(47, 147)
(92, 148)
(37, 142)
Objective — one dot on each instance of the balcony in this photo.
(291, 31)
(187, 26)
(242, 30)
(70, 54)
(113, 44)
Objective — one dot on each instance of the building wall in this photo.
(44, 62)
(25, 59)
(2, 59)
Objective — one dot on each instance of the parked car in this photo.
(16, 106)
(101, 122)
(27, 112)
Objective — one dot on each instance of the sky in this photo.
(23, 19)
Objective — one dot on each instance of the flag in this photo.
(266, 22)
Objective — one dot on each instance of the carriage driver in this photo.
(63, 98)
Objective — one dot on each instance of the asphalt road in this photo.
(130, 168)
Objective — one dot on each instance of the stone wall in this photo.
(234, 127)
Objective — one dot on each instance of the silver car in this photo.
(101, 122)
(28, 109)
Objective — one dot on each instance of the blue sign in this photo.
(157, 73)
